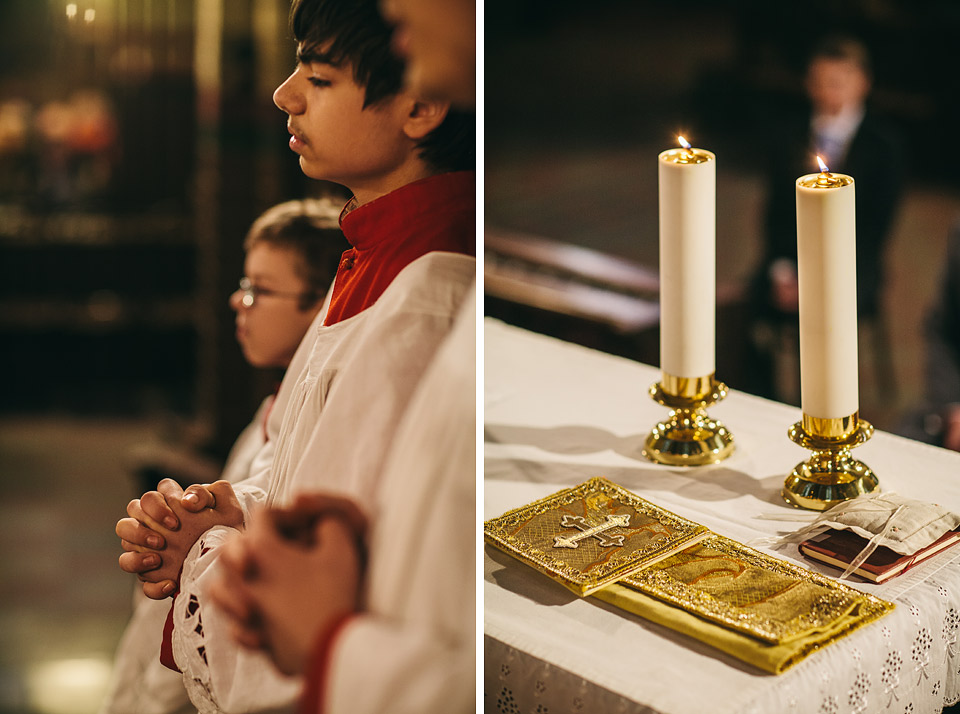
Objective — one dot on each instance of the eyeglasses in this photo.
(251, 293)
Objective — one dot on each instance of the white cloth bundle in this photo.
(884, 519)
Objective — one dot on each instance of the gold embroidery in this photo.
(741, 588)
(675, 572)
(530, 533)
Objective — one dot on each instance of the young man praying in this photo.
(412, 602)
(411, 224)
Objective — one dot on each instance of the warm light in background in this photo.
(68, 686)
(71, 10)
(89, 14)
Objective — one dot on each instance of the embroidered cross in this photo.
(588, 531)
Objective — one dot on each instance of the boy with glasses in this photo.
(291, 255)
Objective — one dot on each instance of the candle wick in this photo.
(825, 179)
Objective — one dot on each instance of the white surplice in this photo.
(412, 650)
(341, 401)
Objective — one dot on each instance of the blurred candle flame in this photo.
(823, 166)
(683, 142)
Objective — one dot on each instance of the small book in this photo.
(839, 547)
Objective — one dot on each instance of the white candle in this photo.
(688, 219)
(826, 264)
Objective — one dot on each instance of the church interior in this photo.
(138, 140)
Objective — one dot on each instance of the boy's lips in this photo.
(296, 140)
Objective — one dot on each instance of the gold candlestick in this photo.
(831, 475)
(688, 437)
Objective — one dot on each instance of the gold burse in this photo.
(591, 535)
(672, 571)
(761, 610)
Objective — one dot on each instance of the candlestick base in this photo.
(831, 475)
(688, 436)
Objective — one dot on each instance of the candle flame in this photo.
(823, 166)
(683, 142)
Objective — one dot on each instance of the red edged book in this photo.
(840, 547)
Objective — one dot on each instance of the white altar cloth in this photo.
(556, 414)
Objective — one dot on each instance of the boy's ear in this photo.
(425, 116)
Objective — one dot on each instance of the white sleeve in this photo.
(413, 650)
(251, 493)
(220, 676)
(379, 667)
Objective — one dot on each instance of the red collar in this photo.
(408, 207)
(434, 214)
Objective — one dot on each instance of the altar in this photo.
(558, 414)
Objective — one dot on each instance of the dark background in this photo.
(121, 228)
(608, 73)
(581, 97)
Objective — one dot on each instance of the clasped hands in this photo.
(163, 525)
(293, 574)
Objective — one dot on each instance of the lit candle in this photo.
(826, 265)
(688, 218)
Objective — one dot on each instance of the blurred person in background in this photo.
(841, 129)
(438, 40)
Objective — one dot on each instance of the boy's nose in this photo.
(287, 98)
(235, 300)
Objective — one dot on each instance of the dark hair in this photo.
(353, 32)
(844, 47)
(310, 229)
